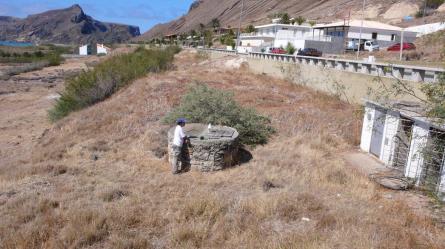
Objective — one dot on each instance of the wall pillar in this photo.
(419, 141)
(441, 189)
(389, 133)
(368, 123)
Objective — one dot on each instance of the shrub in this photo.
(109, 76)
(54, 59)
(205, 105)
(290, 49)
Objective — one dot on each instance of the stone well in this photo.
(210, 150)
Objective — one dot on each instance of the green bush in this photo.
(290, 49)
(205, 105)
(97, 84)
(54, 59)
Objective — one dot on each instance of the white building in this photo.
(427, 28)
(279, 35)
(385, 35)
(402, 139)
(102, 49)
(83, 50)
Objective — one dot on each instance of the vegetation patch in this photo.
(109, 76)
(203, 104)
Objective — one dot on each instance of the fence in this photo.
(401, 72)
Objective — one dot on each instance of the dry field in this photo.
(99, 178)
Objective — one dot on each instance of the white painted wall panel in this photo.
(415, 158)
(368, 123)
(389, 133)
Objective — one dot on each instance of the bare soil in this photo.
(99, 178)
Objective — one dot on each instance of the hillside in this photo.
(65, 26)
(99, 178)
(259, 12)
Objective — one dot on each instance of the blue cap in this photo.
(181, 120)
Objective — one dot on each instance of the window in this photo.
(374, 36)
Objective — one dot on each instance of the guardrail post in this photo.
(340, 65)
(311, 61)
(352, 67)
(398, 73)
(365, 68)
(417, 75)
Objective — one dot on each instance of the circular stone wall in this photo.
(210, 150)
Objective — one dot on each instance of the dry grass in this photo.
(95, 179)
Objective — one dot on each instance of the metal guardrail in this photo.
(401, 72)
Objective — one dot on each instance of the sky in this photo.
(142, 13)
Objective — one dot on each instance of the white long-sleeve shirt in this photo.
(179, 136)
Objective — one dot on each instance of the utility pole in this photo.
(401, 45)
(361, 29)
(239, 26)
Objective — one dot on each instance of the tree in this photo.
(312, 23)
(290, 49)
(250, 29)
(300, 20)
(285, 19)
(208, 38)
(201, 28)
(215, 23)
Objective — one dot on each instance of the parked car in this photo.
(406, 46)
(278, 51)
(309, 52)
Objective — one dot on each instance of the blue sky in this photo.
(142, 13)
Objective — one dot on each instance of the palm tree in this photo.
(215, 23)
(300, 20)
(250, 29)
(285, 19)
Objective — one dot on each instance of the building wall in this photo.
(383, 36)
(368, 123)
(252, 42)
(389, 133)
(335, 46)
(83, 50)
(415, 158)
(427, 28)
(101, 49)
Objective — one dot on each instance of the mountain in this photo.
(261, 11)
(65, 26)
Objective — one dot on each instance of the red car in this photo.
(406, 46)
(278, 51)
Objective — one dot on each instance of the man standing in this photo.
(178, 142)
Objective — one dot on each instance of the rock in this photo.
(393, 183)
(441, 8)
(94, 157)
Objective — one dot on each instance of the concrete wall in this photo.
(389, 133)
(368, 123)
(427, 28)
(352, 87)
(415, 158)
(336, 45)
(83, 50)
